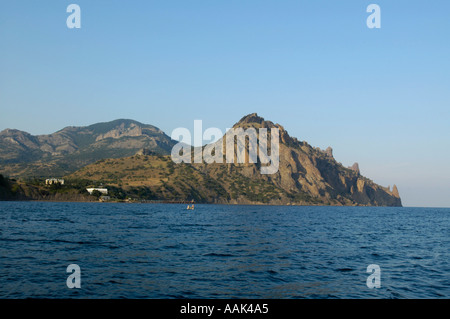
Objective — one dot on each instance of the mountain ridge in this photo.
(306, 175)
(75, 146)
(122, 153)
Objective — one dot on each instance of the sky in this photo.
(379, 97)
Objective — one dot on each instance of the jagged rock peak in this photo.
(329, 151)
(355, 167)
(255, 121)
(395, 191)
(251, 118)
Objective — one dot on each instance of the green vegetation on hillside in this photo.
(6, 191)
(144, 177)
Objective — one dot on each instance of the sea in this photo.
(164, 251)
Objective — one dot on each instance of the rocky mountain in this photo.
(63, 152)
(306, 175)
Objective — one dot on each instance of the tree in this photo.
(96, 193)
(3, 181)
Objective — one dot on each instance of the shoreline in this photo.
(189, 202)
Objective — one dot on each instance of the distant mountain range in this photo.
(63, 152)
(133, 160)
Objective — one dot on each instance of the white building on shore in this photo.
(104, 191)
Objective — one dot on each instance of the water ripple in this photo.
(159, 251)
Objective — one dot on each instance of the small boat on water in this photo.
(190, 207)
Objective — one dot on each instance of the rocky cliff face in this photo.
(305, 171)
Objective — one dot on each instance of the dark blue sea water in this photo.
(218, 251)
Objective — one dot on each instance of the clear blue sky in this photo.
(379, 97)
